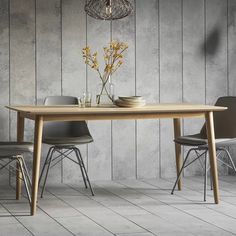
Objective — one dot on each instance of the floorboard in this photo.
(123, 208)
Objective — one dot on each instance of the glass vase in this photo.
(105, 93)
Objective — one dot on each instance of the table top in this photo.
(151, 108)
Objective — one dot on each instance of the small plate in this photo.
(122, 103)
(131, 98)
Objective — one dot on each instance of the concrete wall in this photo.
(179, 51)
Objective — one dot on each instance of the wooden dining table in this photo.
(41, 114)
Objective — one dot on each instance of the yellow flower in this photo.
(112, 57)
(95, 66)
(87, 48)
(105, 49)
(108, 68)
(86, 51)
(119, 56)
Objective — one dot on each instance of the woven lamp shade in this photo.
(108, 9)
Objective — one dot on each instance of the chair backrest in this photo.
(64, 128)
(224, 121)
(60, 100)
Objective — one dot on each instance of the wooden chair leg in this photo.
(38, 130)
(212, 154)
(20, 138)
(177, 133)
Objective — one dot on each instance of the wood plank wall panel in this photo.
(48, 33)
(22, 56)
(147, 85)
(170, 75)
(4, 69)
(232, 47)
(99, 152)
(124, 145)
(216, 54)
(4, 77)
(48, 60)
(216, 50)
(73, 40)
(45, 42)
(232, 58)
(193, 66)
(73, 68)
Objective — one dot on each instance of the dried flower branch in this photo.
(113, 58)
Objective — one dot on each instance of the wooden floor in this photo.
(126, 208)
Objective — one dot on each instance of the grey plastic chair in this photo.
(13, 152)
(225, 134)
(64, 138)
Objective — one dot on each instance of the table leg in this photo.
(20, 138)
(212, 153)
(38, 130)
(177, 133)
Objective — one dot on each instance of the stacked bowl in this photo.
(133, 101)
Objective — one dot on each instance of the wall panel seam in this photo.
(182, 70)
(182, 55)
(86, 80)
(35, 52)
(9, 68)
(159, 88)
(112, 161)
(61, 45)
(205, 61)
(86, 28)
(62, 159)
(135, 85)
(227, 45)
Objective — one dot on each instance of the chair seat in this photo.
(68, 141)
(15, 148)
(197, 140)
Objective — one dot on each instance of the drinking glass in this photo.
(86, 99)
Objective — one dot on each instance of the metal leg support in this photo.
(46, 176)
(26, 172)
(19, 160)
(85, 172)
(181, 170)
(45, 163)
(205, 177)
(81, 166)
(230, 159)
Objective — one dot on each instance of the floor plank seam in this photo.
(79, 211)
(168, 204)
(17, 219)
(56, 221)
(192, 214)
(115, 212)
(140, 206)
(132, 203)
(137, 205)
(205, 205)
(42, 211)
(156, 200)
